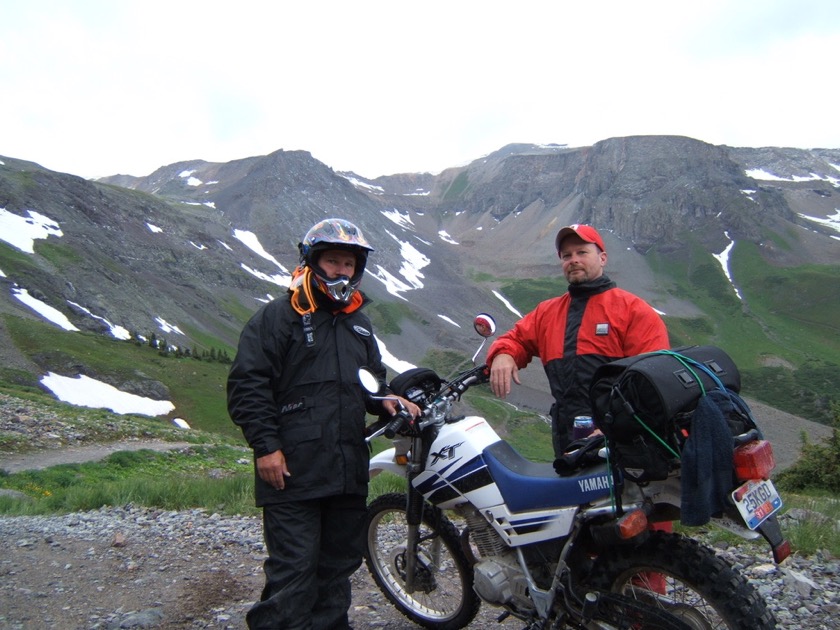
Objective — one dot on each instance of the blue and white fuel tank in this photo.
(523, 500)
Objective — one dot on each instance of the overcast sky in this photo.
(96, 88)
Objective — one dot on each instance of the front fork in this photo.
(414, 517)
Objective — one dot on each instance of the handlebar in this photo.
(476, 376)
(433, 410)
(395, 424)
(453, 390)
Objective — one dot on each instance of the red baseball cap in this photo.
(586, 232)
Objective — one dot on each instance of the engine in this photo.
(499, 580)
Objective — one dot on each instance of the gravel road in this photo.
(132, 567)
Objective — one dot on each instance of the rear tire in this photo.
(685, 578)
(619, 611)
(443, 596)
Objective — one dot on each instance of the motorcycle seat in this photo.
(527, 485)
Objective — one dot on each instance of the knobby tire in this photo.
(443, 598)
(625, 613)
(698, 587)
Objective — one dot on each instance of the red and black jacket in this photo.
(594, 323)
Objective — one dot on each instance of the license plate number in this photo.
(756, 500)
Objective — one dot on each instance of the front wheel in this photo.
(686, 579)
(442, 596)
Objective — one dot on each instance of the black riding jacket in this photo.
(306, 400)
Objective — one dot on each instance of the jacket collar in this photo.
(592, 287)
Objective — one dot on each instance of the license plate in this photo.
(756, 500)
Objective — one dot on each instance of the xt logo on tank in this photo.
(447, 452)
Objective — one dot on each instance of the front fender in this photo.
(384, 461)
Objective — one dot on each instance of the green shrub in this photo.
(818, 468)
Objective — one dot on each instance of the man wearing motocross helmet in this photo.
(293, 389)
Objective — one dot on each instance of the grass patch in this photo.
(525, 294)
(238, 311)
(808, 521)
(15, 377)
(446, 363)
(386, 317)
(457, 187)
(385, 483)
(60, 255)
(688, 331)
(807, 392)
(527, 432)
(770, 320)
(778, 298)
(217, 478)
(480, 276)
(205, 342)
(811, 523)
(15, 263)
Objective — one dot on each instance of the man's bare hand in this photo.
(502, 371)
(392, 407)
(272, 469)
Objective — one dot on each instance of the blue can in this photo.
(582, 427)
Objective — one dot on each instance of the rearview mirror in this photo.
(368, 380)
(484, 325)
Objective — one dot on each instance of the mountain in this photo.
(735, 246)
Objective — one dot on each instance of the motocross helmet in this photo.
(335, 234)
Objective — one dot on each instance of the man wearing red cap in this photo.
(593, 323)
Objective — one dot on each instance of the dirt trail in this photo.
(38, 460)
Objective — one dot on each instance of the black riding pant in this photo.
(313, 549)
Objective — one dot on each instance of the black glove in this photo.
(579, 454)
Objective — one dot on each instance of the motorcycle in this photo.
(480, 523)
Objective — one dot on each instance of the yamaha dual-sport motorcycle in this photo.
(479, 523)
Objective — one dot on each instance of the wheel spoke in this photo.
(437, 583)
(442, 581)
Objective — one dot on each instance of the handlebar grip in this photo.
(483, 375)
(395, 425)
